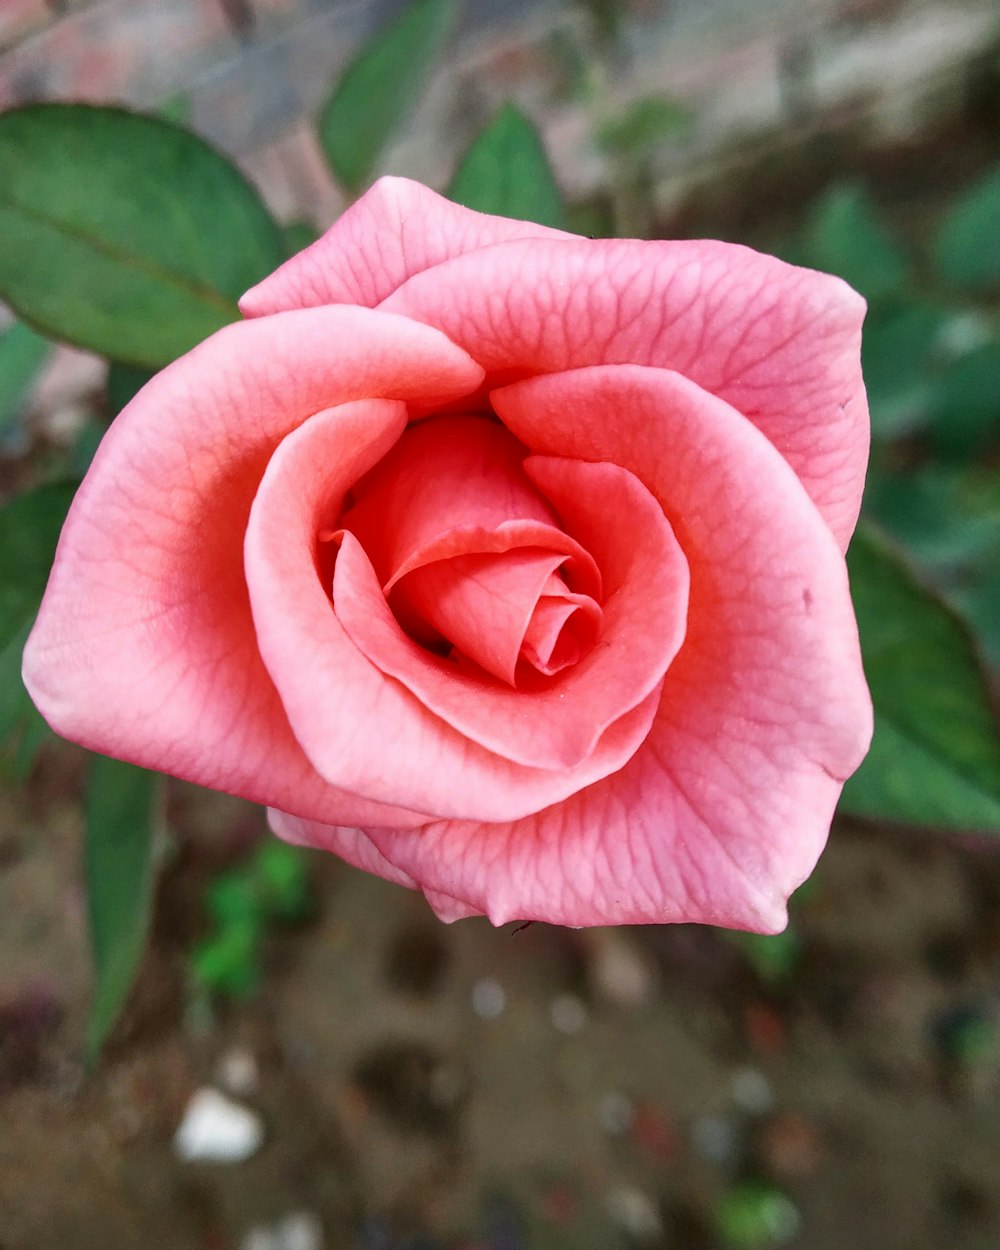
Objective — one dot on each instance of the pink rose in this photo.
(503, 563)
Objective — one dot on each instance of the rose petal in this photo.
(781, 344)
(724, 809)
(397, 228)
(144, 646)
(361, 730)
(482, 604)
(559, 725)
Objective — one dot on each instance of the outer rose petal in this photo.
(781, 344)
(144, 646)
(353, 846)
(724, 809)
(397, 228)
(362, 730)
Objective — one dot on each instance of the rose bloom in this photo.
(503, 563)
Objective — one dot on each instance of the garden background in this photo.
(421, 1087)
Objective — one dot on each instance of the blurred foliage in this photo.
(123, 804)
(755, 1215)
(23, 354)
(931, 358)
(506, 171)
(380, 88)
(125, 234)
(272, 887)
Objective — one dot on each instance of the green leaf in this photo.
(125, 234)
(123, 384)
(644, 126)
(897, 351)
(507, 172)
(380, 88)
(964, 406)
(122, 815)
(967, 247)
(846, 235)
(29, 530)
(22, 355)
(935, 759)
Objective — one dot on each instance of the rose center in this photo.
(471, 558)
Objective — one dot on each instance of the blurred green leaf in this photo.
(380, 88)
(967, 247)
(125, 234)
(22, 355)
(897, 350)
(645, 125)
(299, 235)
(123, 384)
(964, 405)
(122, 811)
(946, 518)
(506, 172)
(29, 530)
(282, 873)
(228, 962)
(935, 758)
(845, 235)
(753, 1215)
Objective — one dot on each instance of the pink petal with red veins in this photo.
(780, 344)
(447, 474)
(564, 723)
(144, 646)
(481, 604)
(397, 228)
(724, 809)
(350, 844)
(361, 730)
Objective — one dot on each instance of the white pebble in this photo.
(634, 1212)
(218, 1130)
(714, 1138)
(237, 1072)
(488, 998)
(615, 1113)
(752, 1091)
(299, 1231)
(568, 1014)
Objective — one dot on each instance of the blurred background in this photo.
(366, 1078)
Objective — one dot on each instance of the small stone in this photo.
(714, 1138)
(489, 999)
(568, 1014)
(215, 1129)
(635, 1213)
(791, 1146)
(615, 1113)
(299, 1231)
(752, 1091)
(237, 1072)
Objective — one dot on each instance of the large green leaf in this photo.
(122, 815)
(125, 234)
(935, 759)
(507, 172)
(380, 88)
(967, 247)
(22, 355)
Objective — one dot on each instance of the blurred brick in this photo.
(136, 51)
(21, 17)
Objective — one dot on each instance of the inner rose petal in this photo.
(470, 554)
(554, 722)
(486, 606)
